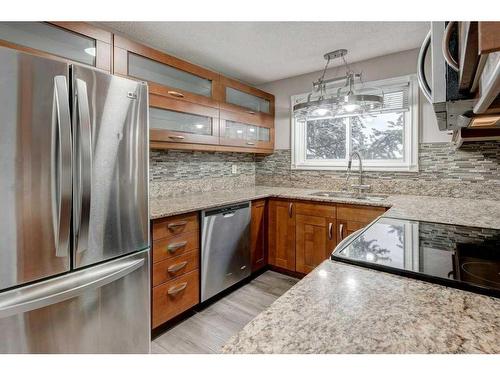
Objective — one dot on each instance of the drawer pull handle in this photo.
(176, 137)
(177, 289)
(251, 112)
(251, 143)
(176, 267)
(330, 231)
(175, 94)
(172, 248)
(176, 225)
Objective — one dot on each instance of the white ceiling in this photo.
(260, 52)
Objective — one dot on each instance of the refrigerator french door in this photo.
(74, 257)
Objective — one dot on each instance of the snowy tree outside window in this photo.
(386, 140)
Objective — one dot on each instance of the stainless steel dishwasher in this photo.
(225, 248)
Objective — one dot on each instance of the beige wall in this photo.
(394, 65)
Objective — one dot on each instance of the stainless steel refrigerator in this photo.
(74, 223)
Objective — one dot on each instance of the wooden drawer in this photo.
(315, 209)
(174, 297)
(172, 226)
(170, 247)
(363, 214)
(171, 268)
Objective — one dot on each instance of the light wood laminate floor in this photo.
(209, 329)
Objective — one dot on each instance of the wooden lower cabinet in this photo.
(282, 234)
(351, 218)
(176, 264)
(258, 235)
(291, 235)
(304, 234)
(174, 297)
(314, 235)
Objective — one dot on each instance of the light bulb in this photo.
(199, 126)
(350, 107)
(320, 112)
(90, 51)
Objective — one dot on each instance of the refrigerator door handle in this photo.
(54, 291)
(84, 160)
(61, 173)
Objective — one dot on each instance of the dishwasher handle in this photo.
(227, 211)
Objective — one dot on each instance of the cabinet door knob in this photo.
(177, 288)
(341, 231)
(330, 231)
(175, 94)
(176, 137)
(290, 209)
(172, 248)
(178, 224)
(176, 267)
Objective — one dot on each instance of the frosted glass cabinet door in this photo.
(167, 75)
(164, 119)
(153, 71)
(75, 41)
(178, 121)
(252, 102)
(240, 134)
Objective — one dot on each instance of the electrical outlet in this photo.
(234, 169)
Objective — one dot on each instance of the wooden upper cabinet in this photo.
(240, 129)
(177, 121)
(315, 235)
(238, 97)
(167, 75)
(282, 234)
(76, 42)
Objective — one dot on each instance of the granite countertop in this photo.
(341, 308)
(458, 211)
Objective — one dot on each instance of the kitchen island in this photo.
(341, 308)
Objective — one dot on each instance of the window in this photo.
(386, 139)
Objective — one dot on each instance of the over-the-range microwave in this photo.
(458, 105)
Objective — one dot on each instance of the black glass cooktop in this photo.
(458, 256)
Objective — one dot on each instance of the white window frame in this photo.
(409, 163)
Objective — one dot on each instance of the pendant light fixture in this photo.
(322, 102)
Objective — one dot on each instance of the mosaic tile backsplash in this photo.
(471, 172)
(174, 173)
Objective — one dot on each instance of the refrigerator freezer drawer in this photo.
(102, 309)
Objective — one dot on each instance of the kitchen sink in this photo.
(350, 195)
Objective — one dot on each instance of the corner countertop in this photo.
(341, 308)
(457, 211)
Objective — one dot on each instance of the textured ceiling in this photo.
(260, 52)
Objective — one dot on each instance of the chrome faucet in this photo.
(359, 186)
